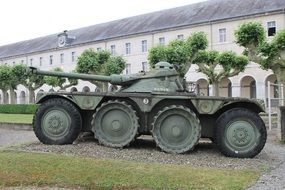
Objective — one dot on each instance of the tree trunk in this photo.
(31, 96)
(215, 88)
(5, 97)
(105, 87)
(280, 75)
(12, 96)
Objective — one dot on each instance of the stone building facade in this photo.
(132, 38)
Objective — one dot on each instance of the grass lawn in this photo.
(16, 118)
(40, 169)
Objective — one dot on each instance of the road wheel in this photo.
(115, 124)
(176, 129)
(57, 121)
(240, 133)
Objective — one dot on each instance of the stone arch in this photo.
(22, 98)
(248, 87)
(73, 89)
(113, 88)
(202, 87)
(85, 89)
(274, 89)
(97, 89)
(225, 88)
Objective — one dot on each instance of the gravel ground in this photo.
(145, 150)
(275, 179)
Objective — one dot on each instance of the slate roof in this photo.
(211, 10)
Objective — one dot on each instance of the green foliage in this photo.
(55, 81)
(59, 81)
(18, 108)
(100, 62)
(5, 77)
(197, 41)
(157, 54)
(115, 65)
(250, 33)
(232, 63)
(229, 62)
(180, 53)
(279, 40)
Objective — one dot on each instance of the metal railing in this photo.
(280, 98)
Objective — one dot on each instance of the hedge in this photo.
(18, 108)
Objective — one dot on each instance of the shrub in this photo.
(18, 108)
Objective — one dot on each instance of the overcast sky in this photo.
(26, 19)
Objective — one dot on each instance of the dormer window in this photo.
(64, 39)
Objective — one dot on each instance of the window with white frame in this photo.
(271, 28)
(73, 54)
(128, 68)
(161, 40)
(144, 45)
(144, 66)
(14, 63)
(22, 61)
(113, 49)
(99, 48)
(222, 35)
(51, 59)
(62, 58)
(128, 48)
(180, 37)
(41, 61)
(31, 61)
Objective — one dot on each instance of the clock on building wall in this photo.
(61, 40)
(64, 39)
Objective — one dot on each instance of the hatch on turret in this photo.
(163, 65)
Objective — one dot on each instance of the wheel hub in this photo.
(116, 125)
(56, 123)
(176, 131)
(240, 134)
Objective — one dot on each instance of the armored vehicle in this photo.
(153, 103)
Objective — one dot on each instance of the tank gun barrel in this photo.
(113, 79)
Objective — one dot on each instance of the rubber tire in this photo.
(96, 122)
(158, 139)
(75, 127)
(221, 126)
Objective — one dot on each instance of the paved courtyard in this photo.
(14, 137)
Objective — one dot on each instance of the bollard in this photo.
(281, 123)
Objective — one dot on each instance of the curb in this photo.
(16, 126)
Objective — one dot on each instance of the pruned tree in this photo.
(180, 53)
(217, 66)
(11, 77)
(62, 83)
(268, 54)
(100, 63)
(5, 78)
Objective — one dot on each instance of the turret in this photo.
(163, 78)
